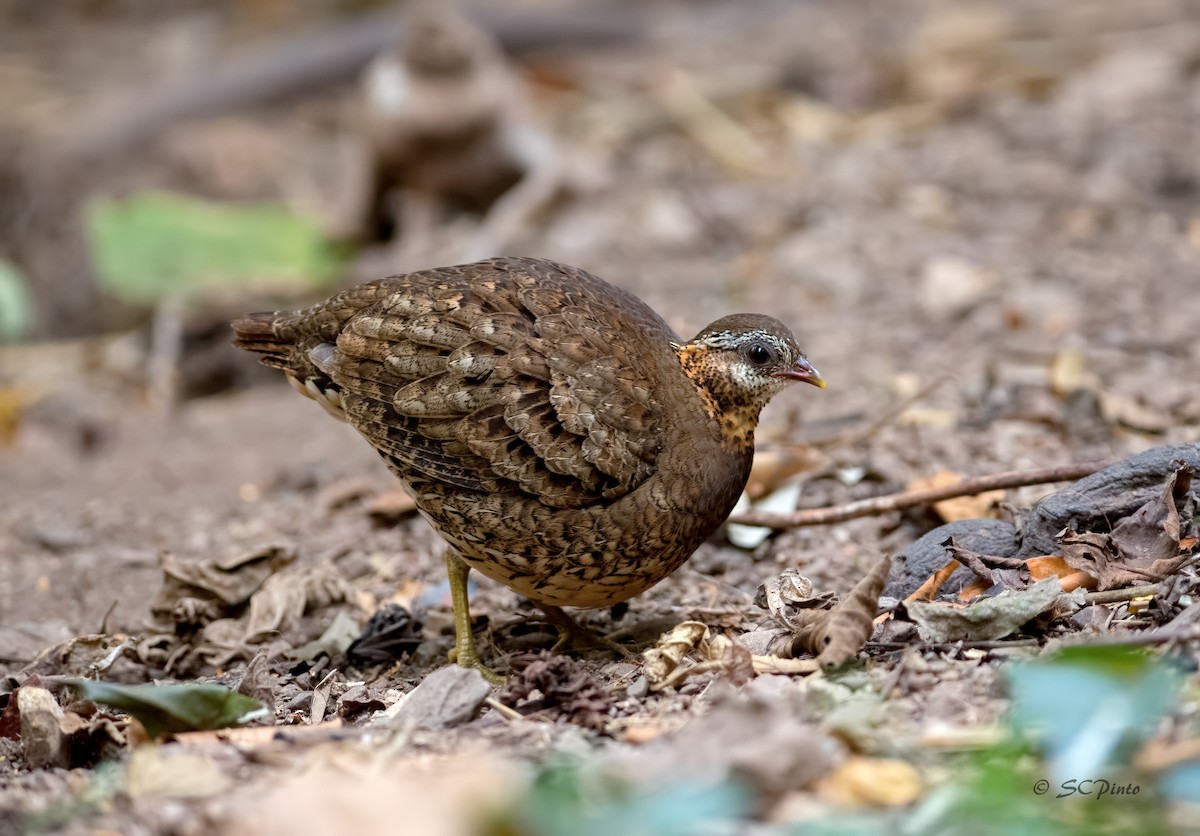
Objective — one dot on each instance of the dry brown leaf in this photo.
(973, 590)
(735, 659)
(671, 649)
(776, 464)
(835, 636)
(1152, 532)
(929, 590)
(959, 508)
(231, 581)
(852, 619)
(788, 596)
(1041, 568)
(285, 596)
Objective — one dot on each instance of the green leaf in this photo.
(155, 244)
(568, 801)
(16, 308)
(168, 709)
(1089, 705)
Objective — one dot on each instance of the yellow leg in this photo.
(574, 636)
(464, 652)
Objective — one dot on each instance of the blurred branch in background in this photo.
(299, 64)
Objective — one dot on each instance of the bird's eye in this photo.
(759, 354)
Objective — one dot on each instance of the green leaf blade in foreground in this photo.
(169, 709)
(157, 244)
(1087, 705)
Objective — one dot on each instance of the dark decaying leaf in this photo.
(358, 699)
(1152, 532)
(1144, 547)
(230, 581)
(166, 709)
(835, 636)
(1008, 572)
(556, 686)
(390, 633)
(79, 656)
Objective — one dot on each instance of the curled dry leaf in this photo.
(735, 660)
(789, 593)
(1152, 533)
(230, 581)
(286, 596)
(837, 637)
(80, 656)
(671, 649)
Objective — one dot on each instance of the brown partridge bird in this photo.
(552, 427)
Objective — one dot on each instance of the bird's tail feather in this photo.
(256, 332)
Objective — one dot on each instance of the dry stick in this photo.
(1113, 596)
(907, 499)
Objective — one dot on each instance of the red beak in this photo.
(802, 370)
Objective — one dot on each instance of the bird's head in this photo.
(740, 362)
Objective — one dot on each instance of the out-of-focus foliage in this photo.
(1085, 706)
(566, 800)
(155, 244)
(16, 308)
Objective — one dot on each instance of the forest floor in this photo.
(982, 222)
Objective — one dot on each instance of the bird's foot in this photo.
(470, 659)
(574, 636)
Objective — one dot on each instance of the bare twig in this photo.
(507, 712)
(907, 499)
(1113, 596)
(944, 646)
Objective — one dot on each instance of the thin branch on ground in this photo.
(907, 499)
